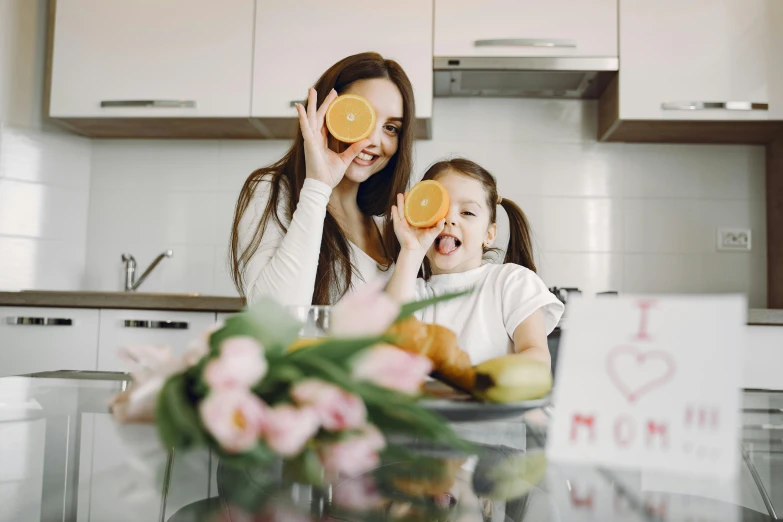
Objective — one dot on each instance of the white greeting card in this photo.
(650, 383)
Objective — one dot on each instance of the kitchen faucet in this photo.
(131, 284)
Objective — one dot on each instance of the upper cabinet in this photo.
(526, 28)
(186, 58)
(193, 68)
(685, 67)
(296, 42)
(117, 64)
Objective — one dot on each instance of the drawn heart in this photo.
(635, 372)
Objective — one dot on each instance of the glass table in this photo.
(64, 458)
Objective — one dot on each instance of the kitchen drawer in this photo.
(47, 339)
(128, 327)
(222, 316)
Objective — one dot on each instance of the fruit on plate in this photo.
(512, 378)
(450, 363)
(426, 204)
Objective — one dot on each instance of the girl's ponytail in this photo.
(520, 244)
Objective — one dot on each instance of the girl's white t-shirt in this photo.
(285, 264)
(504, 295)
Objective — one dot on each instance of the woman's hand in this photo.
(413, 239)
(321, 162)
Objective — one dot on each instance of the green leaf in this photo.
(325, 369)
(177, 419)
(266, 321)
(260, 455)
(409, 309)
(391, 411)
(305, 468)
(338, 350)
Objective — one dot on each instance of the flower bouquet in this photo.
(329, 410)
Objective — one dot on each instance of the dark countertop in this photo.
(130, 300)
(198, 302)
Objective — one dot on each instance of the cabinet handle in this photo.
(165, 104)
(293, 103)
(524, 42)
(40, 321)
(726, 106)
(165, 325)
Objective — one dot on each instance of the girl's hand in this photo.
(412, 238)
(321, 162)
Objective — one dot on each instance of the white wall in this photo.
(626, 217)
(44, 173)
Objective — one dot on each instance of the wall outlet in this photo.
(734, 239)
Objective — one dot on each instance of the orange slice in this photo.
(426, 204)
(350, 118)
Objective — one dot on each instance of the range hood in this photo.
(523, 77)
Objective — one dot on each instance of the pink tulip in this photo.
(336, 408)
(392, 368)
(199, 347)
(241, 364)
(353, 456)
(235, 418)
(289, 428)
(146, 361)
(366, 311)
(150, 366)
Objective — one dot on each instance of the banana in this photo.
(512, 378)
(508, 477)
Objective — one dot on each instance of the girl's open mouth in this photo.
(446, 244)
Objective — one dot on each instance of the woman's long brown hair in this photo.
(376, 195)
(520, 244)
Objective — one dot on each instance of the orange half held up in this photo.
(350, 118)
(426, 204)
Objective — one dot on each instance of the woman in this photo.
(306, 229)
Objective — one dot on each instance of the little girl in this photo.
(510, 309)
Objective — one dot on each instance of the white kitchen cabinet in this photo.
(677, 56)
(47, 339)
(222, 316)
(526, 28)
(296, 42)
(120, 328)
(188, 58)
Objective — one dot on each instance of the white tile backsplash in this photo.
(43, 211)
(605, 216)
(53, 159)
(30, 263)
(694, 171)
(666, 226)
(591, 272)
(579, 224)
(44, 204)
